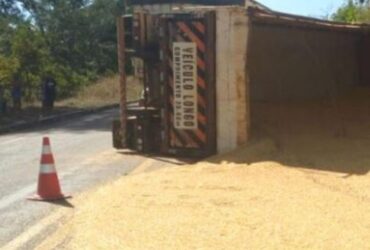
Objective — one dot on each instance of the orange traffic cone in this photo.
(48, 185)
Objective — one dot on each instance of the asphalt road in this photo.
(84, 157)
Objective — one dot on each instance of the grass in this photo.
(103, 92)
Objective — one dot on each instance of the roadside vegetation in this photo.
(72, 41)
(357, 11)
(103, 92)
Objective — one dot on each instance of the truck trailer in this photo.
(204, 65)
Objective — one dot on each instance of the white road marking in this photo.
(27, 190)
(12, 141)
(24, 192)
(20, 194)
(92, 118)
(34, 230)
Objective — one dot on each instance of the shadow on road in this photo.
(63, 203)
(80, 123)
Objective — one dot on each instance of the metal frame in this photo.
(122, 80)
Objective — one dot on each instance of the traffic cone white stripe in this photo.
(46, 150)
(47, 169)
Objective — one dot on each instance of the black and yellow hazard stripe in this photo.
(189, 31)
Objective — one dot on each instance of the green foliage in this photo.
(353, 12)
(348, 13)
(9, 66)
(74, 41)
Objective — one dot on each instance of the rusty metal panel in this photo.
(183, 134)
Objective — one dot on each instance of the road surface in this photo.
(84, 157)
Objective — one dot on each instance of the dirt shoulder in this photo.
(223, 204)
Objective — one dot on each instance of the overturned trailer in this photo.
(204, 64)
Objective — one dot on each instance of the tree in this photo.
(72, 40)
(9, 9)
(353, 12)
(31, 52)
(102, 34)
